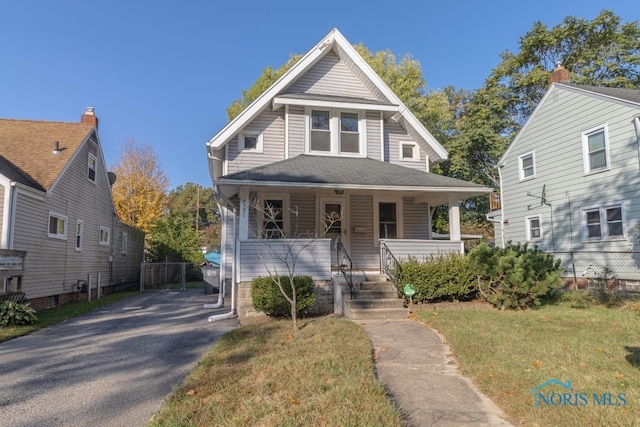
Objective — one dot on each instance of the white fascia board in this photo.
(503, 159)
(280, 101)
(264, 99)
(391, 96)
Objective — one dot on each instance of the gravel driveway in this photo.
(110, 367)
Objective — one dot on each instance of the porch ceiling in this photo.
(348, 173)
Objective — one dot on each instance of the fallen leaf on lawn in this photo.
(191, 392)
(537, 363)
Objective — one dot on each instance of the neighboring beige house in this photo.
(56, 204)
(329, 139)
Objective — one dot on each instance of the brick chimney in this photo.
(89, 116)
(560, 74)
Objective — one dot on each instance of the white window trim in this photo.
(376, 216)
(125, 243)
(286, 214)
(63, 235)
(79, 233)
(95, 171)
(334, 129)
(527, 222)
(521, 167)
(604, 230)
(259, 141)
(415, 157)
(104, 242)
(585, 149)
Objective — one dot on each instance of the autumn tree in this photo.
(140, 190)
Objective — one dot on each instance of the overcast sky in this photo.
(164, 72)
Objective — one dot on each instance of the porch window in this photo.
(57, 226)
(335, 132)
(534, 228)
(388, 221)
(273, 219)
(603, 222)
(595, 150)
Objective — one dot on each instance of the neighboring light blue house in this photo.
(329, 145)
(570, 181)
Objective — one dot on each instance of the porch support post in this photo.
(243, 226)
(454, 218)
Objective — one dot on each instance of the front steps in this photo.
(374, 298)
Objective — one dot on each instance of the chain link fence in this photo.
(606, 271)
(158, 275)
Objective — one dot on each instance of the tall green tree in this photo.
(197, 203)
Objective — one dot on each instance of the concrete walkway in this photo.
(422, 378)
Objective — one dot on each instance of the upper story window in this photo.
(91, 169)
(603, 222)
(57, 226)
(595, 150)
(409, 151)
(527, 166)
(534, 227)
(105, 236)
(335, 132)
(250, 141)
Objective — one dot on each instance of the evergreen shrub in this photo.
(266, 295)
(444, 277)
(16, 314)
(514, 277)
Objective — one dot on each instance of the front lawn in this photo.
(509, 353)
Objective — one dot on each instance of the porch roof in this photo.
(346, 173)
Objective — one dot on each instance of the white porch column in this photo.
(454, 218)
(243, 226)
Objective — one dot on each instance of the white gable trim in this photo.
(306, 62)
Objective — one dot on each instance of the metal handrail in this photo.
(390, 266)
(343, 258)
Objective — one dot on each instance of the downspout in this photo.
(232, 312)
(501, 208)
(11, 220)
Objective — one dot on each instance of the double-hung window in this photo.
(105, 236)
(57, 226)
(125, 243)
(527, 166)
(92, 165)
(273, 217)
(79, 230)
(534, 228)
(387, 214)
(335, 132)
(603, 222)
(595, 150)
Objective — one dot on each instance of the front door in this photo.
(333, 223)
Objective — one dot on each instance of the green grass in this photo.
(58, 314)
(262, 374)
(508, 353)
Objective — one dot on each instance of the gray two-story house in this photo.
(329, 160)
(570, 181)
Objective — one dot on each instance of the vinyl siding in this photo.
(52, 266)
(363, 251)
(555, 135)
(394, 134)
(416, 219)
(374, 135)
(271, 125)
(296, 130)
(330, 76)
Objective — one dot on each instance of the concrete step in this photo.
(375, 303)
(374, 293)
(376, 277)
(377, 313)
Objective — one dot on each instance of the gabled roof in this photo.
(347, 173)
(332, 42)
(26, 149)
(628, 96)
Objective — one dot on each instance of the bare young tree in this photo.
(280, 260)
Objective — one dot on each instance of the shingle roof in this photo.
(26, 148)
(358, 172)
(632, 95)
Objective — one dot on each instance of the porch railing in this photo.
(345, 266)
(390, 266)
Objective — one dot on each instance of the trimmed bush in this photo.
(266, 295)
(445, 277)
(514, 277)
(15, 314)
